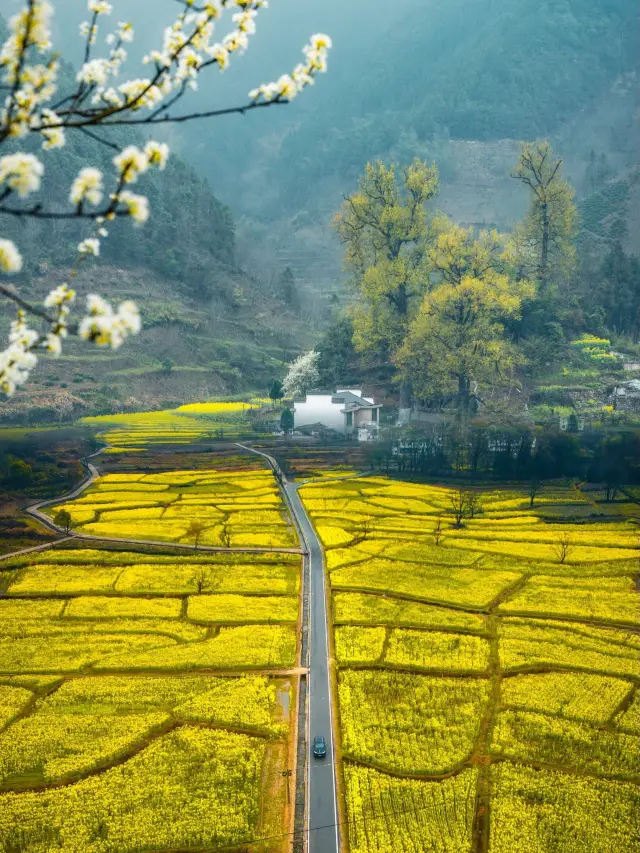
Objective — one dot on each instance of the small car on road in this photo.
(319, 746)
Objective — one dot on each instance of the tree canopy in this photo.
(387, 231)
(457, 344)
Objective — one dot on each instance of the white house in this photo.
(345, 411)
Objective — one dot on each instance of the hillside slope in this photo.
(209, 326)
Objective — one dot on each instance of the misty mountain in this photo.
(427, 79)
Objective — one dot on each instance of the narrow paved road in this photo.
(322, 801)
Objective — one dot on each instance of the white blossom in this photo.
(131, 162)
(287, 87)
(125, 31)
(89, 246)
(137, 206)
(157, 153)
(53, 344)
(100, 7)
(10, 257)
(21, 172)
(61, 295)
(245, 21)
(220, 53)
(139, 94)
(95, 71)
(302, 376)
(17, 361)
(106, 327)
(53, 136)
(29, 28)
(87, 186)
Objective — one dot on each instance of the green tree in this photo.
(275, 392)
(287, 288)
(546, 237)
(339, 361)
(194, 532)
(63, 519)
(457, 342)
(167, 366)
(286, 421)
(386, 232)
(617, 292)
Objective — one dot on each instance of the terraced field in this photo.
(184, 425)
(488, 673)
(220, 508)
(147, 699)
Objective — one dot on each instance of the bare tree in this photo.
(365, 529)
(459, 506)
(474, 504)
(202, 579)
(225, 535)
(465, 503)
(562, 547)
(533, 489)
(437, 531)
(195, 531)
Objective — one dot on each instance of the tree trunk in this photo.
(406, 400)
(544, 256)
(464, 388)
(406, 395)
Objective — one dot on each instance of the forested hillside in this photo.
(486, 70)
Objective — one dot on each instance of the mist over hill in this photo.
(457, 82)
(245, 204)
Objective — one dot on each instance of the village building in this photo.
(346, 412)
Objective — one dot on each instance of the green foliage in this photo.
(611, 294)
(287, 289)
(286, 420)
(458, 339)
(339, 362)
(63, 519)
(275, 392)
(386, 231)
(545, 239)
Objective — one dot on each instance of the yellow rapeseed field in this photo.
(144, 697)
(232, 509)
(488, 673)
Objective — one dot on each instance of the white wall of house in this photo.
(318, 408)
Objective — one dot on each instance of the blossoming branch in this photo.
(30, 72)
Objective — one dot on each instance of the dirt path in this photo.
(43, 547)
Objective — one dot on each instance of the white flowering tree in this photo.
(303, 374)
(102, 99)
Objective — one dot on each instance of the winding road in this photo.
(322, 800)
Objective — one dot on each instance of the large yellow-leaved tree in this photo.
(387, 232)
(456, 344)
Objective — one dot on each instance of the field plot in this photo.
(224, 509)
(145, 700)
(184, 425)
(488, 673)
